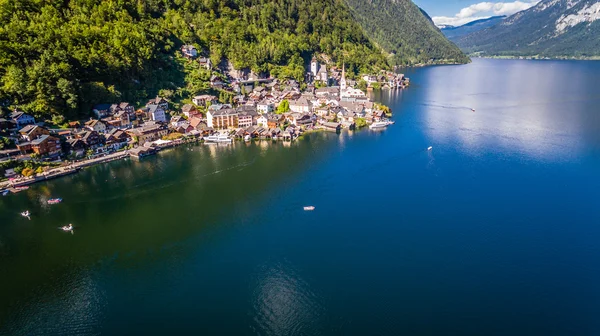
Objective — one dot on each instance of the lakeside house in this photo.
(46, 145)
(222, 119)
(32, 132)
(156, 113)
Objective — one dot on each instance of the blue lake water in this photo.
(493, 232)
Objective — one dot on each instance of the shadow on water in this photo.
(128, 210)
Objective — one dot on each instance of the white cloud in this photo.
(483, 10)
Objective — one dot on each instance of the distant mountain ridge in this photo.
(455, 32)
(552, 28)
(403, 29)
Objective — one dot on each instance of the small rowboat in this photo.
(309, 208)
(429, 148)
(67, 227)
(25, 213)
(54, 200)
(5, 192)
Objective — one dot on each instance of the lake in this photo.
(493, 232)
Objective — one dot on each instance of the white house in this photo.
(189, 50)
(314, 67)
(157, 113)
(301, 105)
(265, 106)
(262, 121)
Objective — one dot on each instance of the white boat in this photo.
(26, 213)
(5, 192)
(380, 124)
(67, 227)
(247, 138)
(309, 208)
(218, 138)
(429, 148)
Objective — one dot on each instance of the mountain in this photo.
(455, 32)
(552, 28)
(58, 58)
(403, 29)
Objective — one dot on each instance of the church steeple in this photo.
(343, 84)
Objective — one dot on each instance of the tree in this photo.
(283, 107)
(35, 156)
(360, 122)
(6, 143)
(362, 85)
(27, 172)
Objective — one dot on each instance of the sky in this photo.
(459, 12)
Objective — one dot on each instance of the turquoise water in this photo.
(494, 231)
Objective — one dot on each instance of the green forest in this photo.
(59, 58)
(403, 29)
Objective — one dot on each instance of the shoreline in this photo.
(79, 166)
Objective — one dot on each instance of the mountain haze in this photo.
(552, 28)
(402, 28)
(455, 32)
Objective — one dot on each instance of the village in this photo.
(260, 109)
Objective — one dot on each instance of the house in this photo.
(123, 106)
(332, 126)
(304, 120)
(46, 145)
(123, 119)
(5, 124)
(222, 119)
(95, 125)
(92, 139)
(189, 110)
(189, 51)
(162, 102)
(322, 75)
(301, 105)
(265, 106)
(353, 107)
(148, 133)
(140, 152)
(216, 82)
(21, 119)
(327, 91)
(205, 63)
(157, 113)
(246, 115)
(274, 120)
(197, 123)
(32, 132)
(369, 79)
(117, 139)
(176, 121)
(262, 121)
(76, 146)
(101, 110)
(202, 100)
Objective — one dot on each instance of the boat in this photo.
(5, 192)
(309, 208)
(22, 188)
(247, 138)
(429, 148)
(473, 110)
(54, 200)
(218, 138)
(67, 227)
(380, 124)
(26, 213)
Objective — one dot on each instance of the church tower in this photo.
(343, 84)
(314, 67)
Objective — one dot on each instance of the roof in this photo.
(153, 107)
(188, 108)
(93, 122)
(27, 129)
(40, 139)
(194, 122)
(225, 112)
(247, 110)
(176, 119)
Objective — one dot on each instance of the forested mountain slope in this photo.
(400, 27)
(61, 57)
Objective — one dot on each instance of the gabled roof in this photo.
(188, 108)
(40, 139)
(27, 129)
(153, 108)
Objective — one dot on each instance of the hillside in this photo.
(552, 28)
(401, 28)
(453, 33)
(58, 58)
